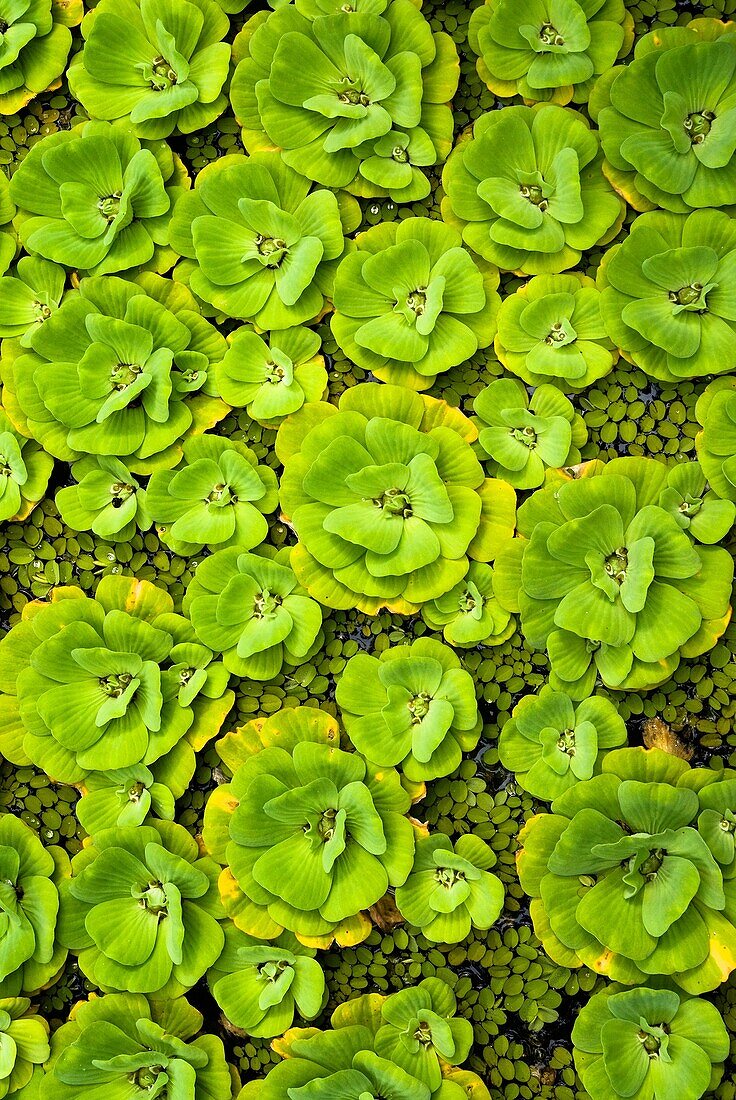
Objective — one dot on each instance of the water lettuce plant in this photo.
(36, 43)
(667, 301)
(411, 302)
(520, 438)
(122, 369)
(24, 1045)
(696, 507)
(28, 297)
(548, 49)
(625, 878)
(98, 201)
(160, 66)
(429, 1009)
(414, 708)
(272, 378)
(310, 835)
(106, 499)
(252, 609)
(387, 499)
(668, 135)
(217, 496)
(31, 955)
(25, 470)
(351, 99)
(717, 822)
(124, 796)
(551, 743)
(260, 243)
(647, 1042)
(405, 1047)
(527, 191)
(608, 582)
(142, 910)
(259, 986)
(451, 889)
(124, 1044)
(95, 684)
(716, 441)
(469, 614)
(552, 331)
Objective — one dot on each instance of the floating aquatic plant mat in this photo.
(367, 493)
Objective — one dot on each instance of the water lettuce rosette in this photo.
(551, 742)
(551, 331)
(469, 614)
(126, 796)
(689, 498)
(259, 986)
(310, 836)
(411, 302)
(126, 1044)
(628, 875)
(259, 242)
(106, 499)
(527, 191)
(97, 200)
(94, 684)
(716, 441)
(654, 1040)
(608, 582)
(667, 300)
(31, 954)
(160, 65)
(122, 369)
(407, 1046)
(451, 889)
(218, 496)
(36, 43)
(132, 795)
(413, 708)
(272, 375)
(29, 294)
(24, 1042)
(142, 911)
(520, 438)
(548, 50)
(356, 99)
(25, 469)
(668, 132)
(252, 609)
(387, 499)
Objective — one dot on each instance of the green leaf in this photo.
(627, 1062)
(615, 920)
(670, 893)
(123, 930)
